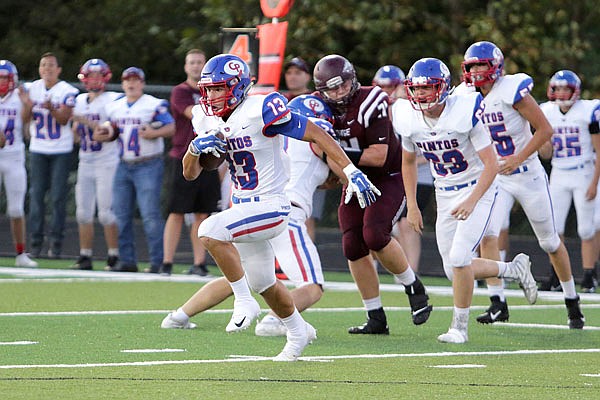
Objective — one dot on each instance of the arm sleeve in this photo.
(162, 113)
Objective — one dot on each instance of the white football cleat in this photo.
(454, 336)
(244, 313)
(270, 326)
(522, 266)
(295, 345)
(171, 323)
(23, 260)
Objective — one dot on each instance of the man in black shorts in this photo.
(200, 196)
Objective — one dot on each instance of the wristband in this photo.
(192, 151)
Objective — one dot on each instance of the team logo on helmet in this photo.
(233, 67)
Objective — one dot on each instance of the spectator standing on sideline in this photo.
(141, 122)
(575, 163)
(390, 79)
(48, 106)
(297, 77)
(365, 132)
(200, 196)
(97, 165)
(12, 158)
(447, 130)
(510, 113)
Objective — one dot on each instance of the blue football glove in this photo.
(359, 184)
(208, 142)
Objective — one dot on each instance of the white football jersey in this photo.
(571, 138)
(307, 171)
(47, 135)
(451, 144)
(130, 117)
(510, 131)
(258, 164)
(90, 150)
(11, 123)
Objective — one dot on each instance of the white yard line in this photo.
(247, 358)
(18, 343)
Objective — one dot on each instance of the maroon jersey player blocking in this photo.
(365, 132)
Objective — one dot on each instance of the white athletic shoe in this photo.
(454, 336)
(171, 323)
(270, 326)
(23, 260)
(295, 345)
(522, 266)
(244, 313)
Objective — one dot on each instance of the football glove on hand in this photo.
(208, 142)
(359, 184)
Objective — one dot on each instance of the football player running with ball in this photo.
(510, 113)
(254, 129)
(448, 132)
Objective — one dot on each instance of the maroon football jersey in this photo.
(366, 122)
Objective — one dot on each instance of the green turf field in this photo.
(84, 337)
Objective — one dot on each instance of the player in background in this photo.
(391, 78)
(141, 122)
(47, 108)
(97, 165)
(447, 130)
(575, 152)
(12, 158)
(510, 113)
(250, 131)
(365, 132)
(295, 250)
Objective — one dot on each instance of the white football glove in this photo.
(208, 142)
(359, 184)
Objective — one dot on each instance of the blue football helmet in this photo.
(224, 70)
(424, 73)
(311, 106)
(564, 78)
(389, 75)
(94, 84)
(8, 70)
(483, 53)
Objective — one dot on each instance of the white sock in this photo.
(372, 304)
(505, 271)
(240, 289)
(502, 255)
(407, 277)
(295, 324)
(85, 252)
(113, 252)
(497, 290)
(180, 315)
(460, 319)
(568, 288)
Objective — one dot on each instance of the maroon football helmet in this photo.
(332, 72)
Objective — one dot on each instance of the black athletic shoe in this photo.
(552, 284)
(112, 261)
(166, 269)
(497, 312)
(120, 267)
(83, 262)
(153, 269)
(590, 281)
(576, 318)
(198, 269)
(376, 324)
(418, 299)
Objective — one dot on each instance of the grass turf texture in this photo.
(401, 365)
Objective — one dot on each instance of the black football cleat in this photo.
(576, 318)
(497, 312)
(418, 299)
(376, 324)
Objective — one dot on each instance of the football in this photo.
(208, 161)
(107, 130)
